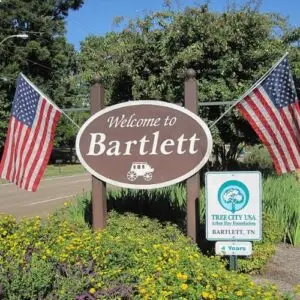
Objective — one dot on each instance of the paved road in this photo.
(51, 194)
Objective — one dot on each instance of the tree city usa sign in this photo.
(233, 206)
(143, 144)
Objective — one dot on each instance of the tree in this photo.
(45, 57)
(232, 197)
(229, 51)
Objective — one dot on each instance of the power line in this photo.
(216, 103)
(41, 65)
(27, 31)
(75, 109)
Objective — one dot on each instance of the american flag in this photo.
(30, 136)
(273, 111)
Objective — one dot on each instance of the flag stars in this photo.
(279, 85)
(25, 102)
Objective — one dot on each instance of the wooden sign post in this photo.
(99, 202)
(146, 144)
(192, 183)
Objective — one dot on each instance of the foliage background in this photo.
(146, 58)
(45, 57)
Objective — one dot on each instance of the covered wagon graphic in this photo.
(140, 169)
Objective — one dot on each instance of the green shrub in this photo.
(262, 250)
(148, 202)
(272, 233)
(29, 280)
(281, 200)
(166, 204)
(173, 209)
(258, 158)
(133, 257)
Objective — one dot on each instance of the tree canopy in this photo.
(147, 58)
(45, 57)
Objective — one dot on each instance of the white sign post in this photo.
(233, 206)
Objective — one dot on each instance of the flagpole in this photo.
(255, 85)
(48, 99)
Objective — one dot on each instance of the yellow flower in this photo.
(184, 286)
(297, 289)
(181, 276)
(92, 291)
(239, 293)
(199, 277)
(184, 277)
(274, 287)
(205, 295)
(146, 296)
(166, 293)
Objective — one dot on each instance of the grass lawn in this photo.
(60, 170)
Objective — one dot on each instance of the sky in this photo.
(96, 16)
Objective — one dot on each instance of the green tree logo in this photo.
(233, 195)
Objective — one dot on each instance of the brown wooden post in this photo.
(99, 203)
(193, 183)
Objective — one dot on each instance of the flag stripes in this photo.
(30, 137)
(277, 129)
(280, 128)
(273, 111)
(29, 161)
(30, 151)
(31, 143)
(256, 124)
(41, 159)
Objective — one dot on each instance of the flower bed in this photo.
(134, 258)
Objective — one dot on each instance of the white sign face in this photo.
(233, 206)
(234, 248)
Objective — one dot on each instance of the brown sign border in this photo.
(146, 186)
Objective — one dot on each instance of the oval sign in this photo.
(143, 144)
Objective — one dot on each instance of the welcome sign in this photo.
(143, 144)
